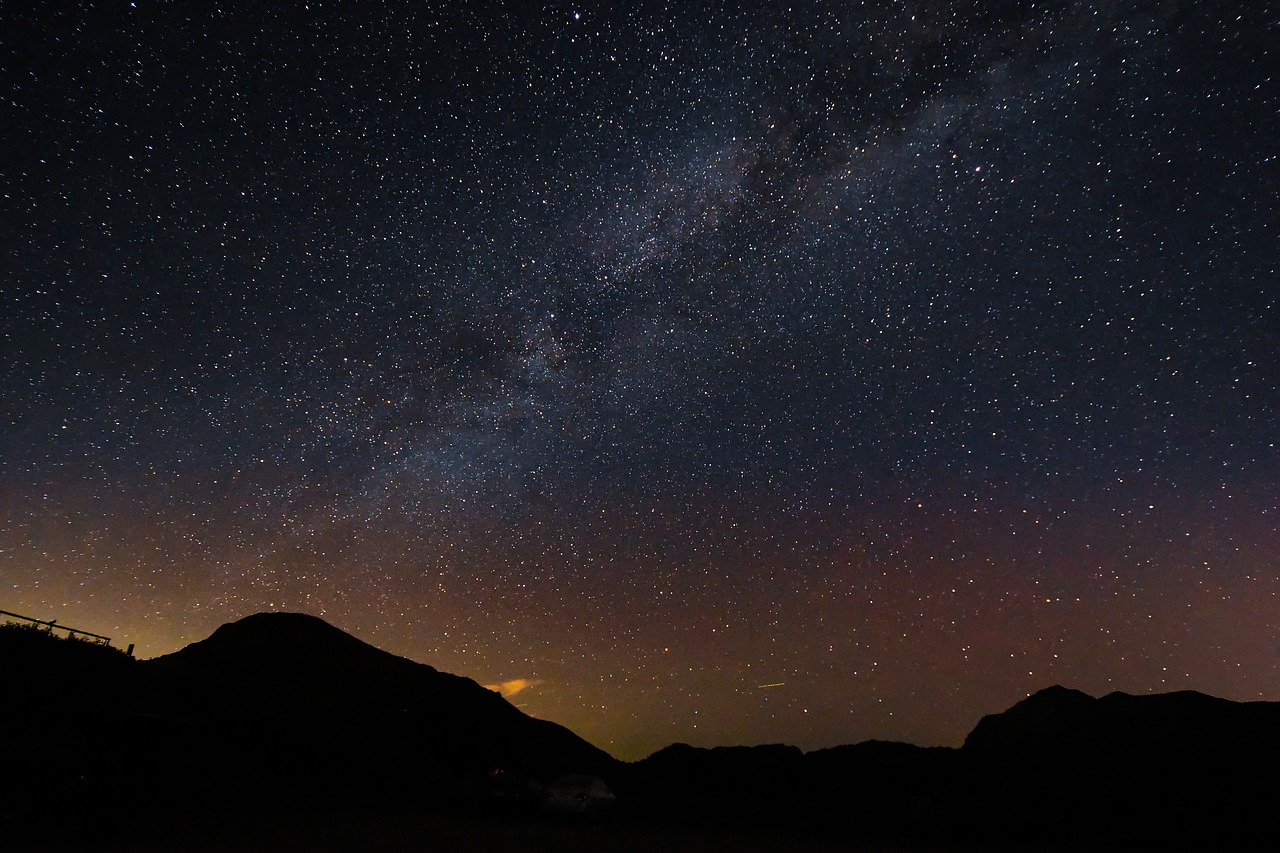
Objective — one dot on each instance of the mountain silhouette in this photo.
(1057, 721)
(1174, 765)
(1058, 766)
(315, 711)
(284, 711)
(274, 710)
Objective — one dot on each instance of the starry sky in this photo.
(794, 372)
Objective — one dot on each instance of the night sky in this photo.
(802, 372)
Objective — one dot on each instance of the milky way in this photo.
(801, 373)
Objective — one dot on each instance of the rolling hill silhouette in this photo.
(284, 711)
(311, 711)
(1177, 765)
(276, 709)
(1058, 766)
(289, 673)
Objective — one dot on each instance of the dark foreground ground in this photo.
(391, 832)
(225, 758)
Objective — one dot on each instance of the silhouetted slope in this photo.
(1050, 716)
(1060, 765)
(307, 709)
(1057, 723)
(51, 671)
(273, 710)
(282, 710)
(1171, 764)
(696, 782)
(1058, 719)
(885, 784)
(868, 788)
(66, 718)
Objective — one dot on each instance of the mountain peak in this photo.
(293, 680)
(280, 627)
(279, 619)
(1047, 715)
(296, 642)
(1056, 695)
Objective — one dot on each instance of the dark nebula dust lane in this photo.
(789, 373)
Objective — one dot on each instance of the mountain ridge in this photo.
(284, 711)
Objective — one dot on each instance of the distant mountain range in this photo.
(283, 710)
